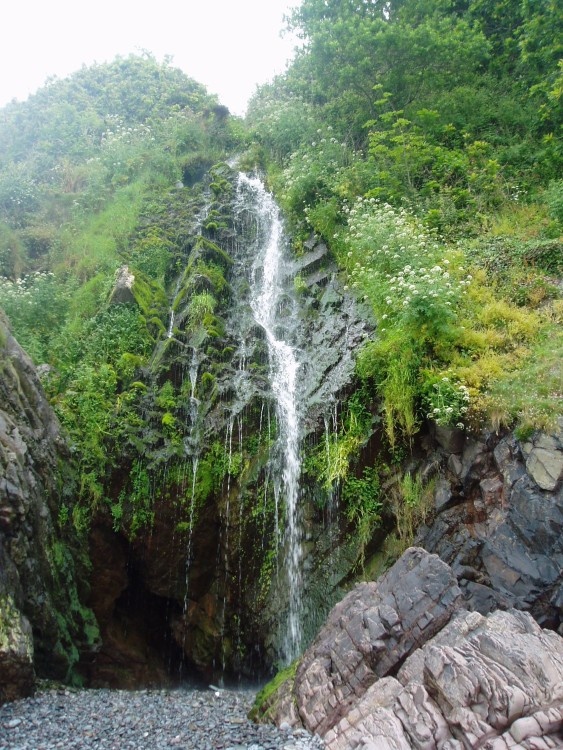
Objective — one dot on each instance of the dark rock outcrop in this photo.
(43, 624)
(400, 664)
(499, 524)
(17, 673)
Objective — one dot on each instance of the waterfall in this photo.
(273, 311)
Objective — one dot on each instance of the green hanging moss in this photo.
(151, 299)
(266, 700)
(211, 252)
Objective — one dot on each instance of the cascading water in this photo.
(269, 296)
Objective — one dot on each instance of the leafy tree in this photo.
(409, 49)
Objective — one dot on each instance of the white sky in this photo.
(228, 45)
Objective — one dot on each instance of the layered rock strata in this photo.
(402, 664)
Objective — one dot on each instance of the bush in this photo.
(37, 306)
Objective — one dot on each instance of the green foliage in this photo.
(12, 253)
(88, 184)
(200, 309)
(331, 461)
(411, 502)
(446, 401)
(434, 164)
(363, 505)
(530, 396)
(554, 200)
(316, 172)
(150, 253)
(37, 306)
(415, 287)
(215, 467)
(409, 48)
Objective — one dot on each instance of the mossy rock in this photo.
(149, 295)
(211, 252)
(267, 700)
(17, 675)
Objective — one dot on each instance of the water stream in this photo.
(274, 311)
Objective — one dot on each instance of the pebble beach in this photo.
(185, 719)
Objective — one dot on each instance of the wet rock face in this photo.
(401, 664)
(211, 551)
(38, 581)
(499, 524)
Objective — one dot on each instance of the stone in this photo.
(545, 466)
(373, 629)
(17, 673)
(496, 681)
(504, 527)
(122, 291)
(492, 490)
(443, 494)
(454, 465)
(544, 457)
(451, 439)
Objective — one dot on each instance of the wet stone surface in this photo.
(144, 720)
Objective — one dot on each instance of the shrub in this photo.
(446, 402)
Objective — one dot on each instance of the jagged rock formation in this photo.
(498, 523)
(401, 664)
(43, 623)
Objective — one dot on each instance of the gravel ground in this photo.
(144, 720)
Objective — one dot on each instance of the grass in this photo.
(94, 243)
(483, 315)
(531, 394)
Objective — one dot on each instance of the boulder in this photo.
(401, 664)
(544, 458)
(122, 291)
(492, 682)
(17, 674)
(373, 629)
(367, 636)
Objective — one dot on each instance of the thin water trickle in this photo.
(268, 293)
(194, 366)
(170, 331)
(189, 553)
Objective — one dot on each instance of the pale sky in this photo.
(228, 45)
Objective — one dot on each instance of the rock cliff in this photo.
(402, 664)
(43, 625)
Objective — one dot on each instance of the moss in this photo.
(149, 296)
(76, 624)
(266, 700)
(212, 253)
(389, 552)
(10, 627)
